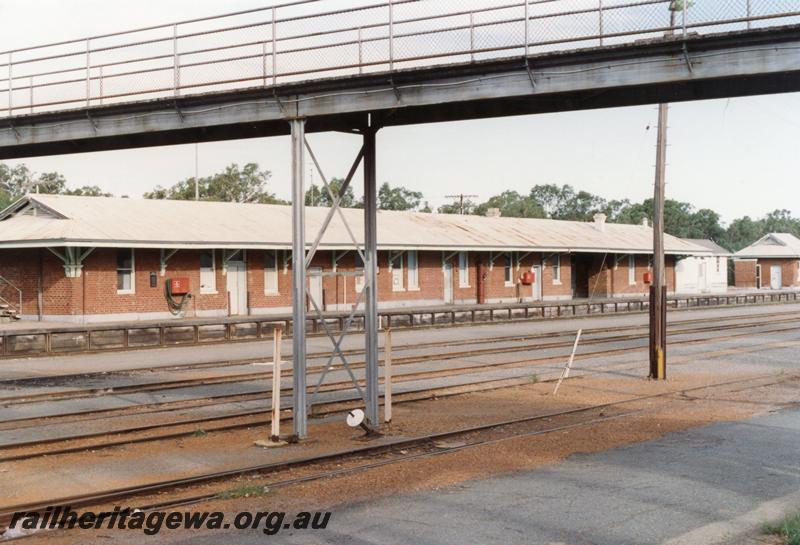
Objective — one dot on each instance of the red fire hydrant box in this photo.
(179, 286)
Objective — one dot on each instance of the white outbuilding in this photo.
(703, 274)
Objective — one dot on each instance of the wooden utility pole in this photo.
(658, 290)
(658, 363)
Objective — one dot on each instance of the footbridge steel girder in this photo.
(669, 69)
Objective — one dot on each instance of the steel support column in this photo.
(371, 278)
(299, 413)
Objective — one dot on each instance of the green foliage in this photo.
(319, 196)
(88, 191)
(16, 182)
(681, 219)
(788, 529)
(398, 198)
(247, 185)
(512, 205)
(243, 492)
(565, 203)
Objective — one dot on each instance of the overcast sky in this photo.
(738, 156)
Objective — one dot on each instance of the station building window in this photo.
(125, 271)
(208, 272)
(507, 274)
(463, 270)
(271, 272)
(413, 270)
(396, 268)
(556, 269)
(631, 269)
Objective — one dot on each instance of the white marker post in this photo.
(565, 372)
(276, 384)
(387, 377)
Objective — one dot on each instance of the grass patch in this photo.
(200, 432)
(534, 379)
(788, 529)
(243, 492)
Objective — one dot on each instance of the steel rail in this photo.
(96, 498)
(470, 317)
(408, 360)
(337, 387)
(398, 348)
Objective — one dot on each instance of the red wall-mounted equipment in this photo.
(648, 277)
(528, 278)
(179, 286)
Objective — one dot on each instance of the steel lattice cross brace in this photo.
(301, 260)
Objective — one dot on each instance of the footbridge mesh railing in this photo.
(310, 39)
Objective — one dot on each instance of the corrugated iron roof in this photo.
(715, 248)
(114, 222)
(772, 245)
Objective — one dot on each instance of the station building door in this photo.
(448, 282)
(236, 283)
(775, 277)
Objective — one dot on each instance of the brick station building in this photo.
(771, 262)
(83, 259)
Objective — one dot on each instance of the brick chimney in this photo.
(493, 213)
(600, 222)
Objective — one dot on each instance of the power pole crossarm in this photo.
(461, 197)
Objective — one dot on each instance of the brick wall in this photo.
(789, 272)
(94, 293)
(744, 273)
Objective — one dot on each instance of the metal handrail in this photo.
(19, 295)
(285, 44)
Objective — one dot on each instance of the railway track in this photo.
(385, 453)
(400, 377)
(248, 418)
(443, 356)
(11, 383)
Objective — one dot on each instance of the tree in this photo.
(633, 213)
(398, 198)
(564, 203)
(14, 183)
(246, 185)
(88, 191)
(319, 196)
(781, 221)
(742, 232)
(580, 206)
(512, 205)
(705, 224)
(18, 181)
(550, 197)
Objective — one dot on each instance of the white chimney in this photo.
(492, 212)
(645, 222)
(600, 222)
